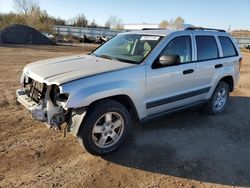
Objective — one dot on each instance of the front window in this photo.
(130, 48)
(180, 46)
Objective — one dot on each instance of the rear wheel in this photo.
(217, 102)
(105, 127)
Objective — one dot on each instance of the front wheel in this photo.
(217, 102)
(105, 127)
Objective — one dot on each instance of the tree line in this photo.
(177, 23)
(28, 12)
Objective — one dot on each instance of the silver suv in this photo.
(137, 75)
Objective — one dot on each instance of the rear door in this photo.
(208, 61)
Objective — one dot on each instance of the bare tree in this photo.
(107, 24)
(114, 23)
(179, 23)
(25, 6)
(171, 23)
(164, 24)
(93, 23)
(80, 21)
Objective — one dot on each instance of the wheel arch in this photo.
(229, 80)
(124, 100)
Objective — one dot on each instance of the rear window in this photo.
(206, 48)
(227, 47)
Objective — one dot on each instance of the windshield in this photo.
(131, 48)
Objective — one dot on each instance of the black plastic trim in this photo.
(176, 98)
(218, 66)
(189, 71)
(167, 112)
(204, 29)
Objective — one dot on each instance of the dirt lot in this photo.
(187, 149)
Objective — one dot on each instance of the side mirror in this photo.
(166, 60)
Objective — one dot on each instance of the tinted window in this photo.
(179, 46)
(206, 48)
(227, 47)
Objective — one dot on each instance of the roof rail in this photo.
(204, 29)
(153, 29)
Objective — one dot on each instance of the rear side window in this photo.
(227, 47)
(206, 48)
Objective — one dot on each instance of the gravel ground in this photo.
(186, 149)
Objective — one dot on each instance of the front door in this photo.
(170, 87)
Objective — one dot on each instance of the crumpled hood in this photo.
(65, 69)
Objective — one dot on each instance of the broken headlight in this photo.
(58, 97)
(62, 97)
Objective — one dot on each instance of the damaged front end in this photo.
(42, 102)
(46, 104)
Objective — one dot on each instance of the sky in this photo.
(210, 13)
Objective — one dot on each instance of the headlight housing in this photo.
(63, 97)
(57, 97)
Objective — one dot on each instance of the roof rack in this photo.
(153, 29)
(204, 29)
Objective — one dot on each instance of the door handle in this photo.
(189, 71)
(218, 66)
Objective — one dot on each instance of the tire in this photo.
(105, 127)
(217, 102)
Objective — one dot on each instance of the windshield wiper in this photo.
(92, 53)
(108, 57)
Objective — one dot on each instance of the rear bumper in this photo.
(24, 99)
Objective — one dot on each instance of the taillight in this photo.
(240, 61)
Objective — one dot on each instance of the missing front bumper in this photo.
(52, 116)
(24, 99)
(37, 110)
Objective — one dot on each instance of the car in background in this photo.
(50, 36)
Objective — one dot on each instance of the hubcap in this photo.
(108, 130)
(221, 99)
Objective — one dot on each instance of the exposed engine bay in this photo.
(46, 103)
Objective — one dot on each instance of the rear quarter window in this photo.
(227, 47)
(206, 48)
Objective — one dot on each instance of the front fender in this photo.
(85, 96)
(129, 82)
